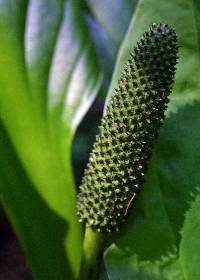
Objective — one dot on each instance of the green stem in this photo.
(92, 255)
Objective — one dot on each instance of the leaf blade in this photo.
(50, 178)
(190, 243)
(74, 78)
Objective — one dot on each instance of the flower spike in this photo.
(120, 155)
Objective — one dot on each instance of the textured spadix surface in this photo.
(120, 155)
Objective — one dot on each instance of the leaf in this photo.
(123, 266)
(43, 21)
(108, 25)
(178, 156)
(41, 231)
(190, 242)
(106, 12)
(58, 48)
(52, 186)
(13, 16)
(74, 77)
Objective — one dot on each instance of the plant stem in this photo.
(92, 255)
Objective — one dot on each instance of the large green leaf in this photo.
(43, 159)
(178, 155)
(177, 265)
(74, 78)
(109, 13)
(108, 25)
(43, 21)
(171, 175)
(124, 266)
(41, 231)
(190, 243)
(52, 185)
(13, 16)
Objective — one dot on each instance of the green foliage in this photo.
(182, 264)
(37, 182)
(47, 85)
(121, 265)
(49, 186)
(190, 242)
